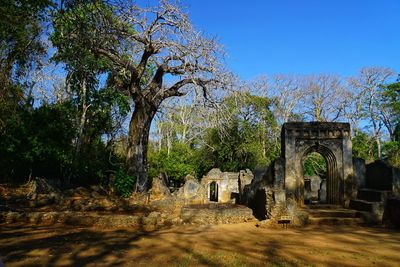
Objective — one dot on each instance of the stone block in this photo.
(159, 189)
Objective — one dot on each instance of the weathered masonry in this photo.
(345, 182)
(333, 141)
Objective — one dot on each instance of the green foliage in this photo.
(364, 147)
(177, 164)
(77, 29)
(21, 49)
(124, 184)
(37, 142)
(248, 139)
(314, 164)
(20, 45)
(40, 142)
(391, 96)
(397, 132)
(392, 152)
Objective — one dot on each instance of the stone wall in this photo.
(230, 184)
(266, 190)
(331, 140)
(379, 176)
(359, 172)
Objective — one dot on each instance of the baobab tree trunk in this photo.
(138, 139)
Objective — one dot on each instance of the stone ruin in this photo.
(284, 180)
(282, 189)
(378, 192)
(215, 187)
(211, 201)
(333, 142)
(226, 187)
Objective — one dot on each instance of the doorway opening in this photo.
(315, 178)
(214, 191)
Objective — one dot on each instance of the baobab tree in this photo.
(149, 53)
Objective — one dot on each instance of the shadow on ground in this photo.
(221, 245)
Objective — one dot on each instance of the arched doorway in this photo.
(213, 191)
(329, 184)
(314, 176)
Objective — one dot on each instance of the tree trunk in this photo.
(139, 129)
(379, 146)
(82, 122)
(159, 138)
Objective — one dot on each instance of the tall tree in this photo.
(154, 53)
(21, 48)
(391, 109)
(286, 93)
(247, 140)
(325, 97)
(368, 85)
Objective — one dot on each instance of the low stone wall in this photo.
(216, 214)
(89, 207)
(193, 214)
(73, 218)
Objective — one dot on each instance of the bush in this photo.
(37, 142)
(179, 163)
(124, 183)
(364, 147)
(392, 151)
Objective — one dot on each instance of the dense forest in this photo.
(91, 90)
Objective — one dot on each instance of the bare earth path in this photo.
(220, 245)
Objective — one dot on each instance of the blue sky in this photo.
(302, 36)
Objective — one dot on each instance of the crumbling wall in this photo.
(230, 184)
(265, 191)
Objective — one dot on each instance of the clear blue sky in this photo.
(302, 36)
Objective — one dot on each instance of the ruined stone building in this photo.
(348, 182)
(226, 187)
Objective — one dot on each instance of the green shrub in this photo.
(124, 183)
(392, 152)
(179, 163)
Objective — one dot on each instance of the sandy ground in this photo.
(219, 245)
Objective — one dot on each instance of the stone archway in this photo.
(333, 195)
(332, 141)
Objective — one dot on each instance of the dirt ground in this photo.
(218, 245)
